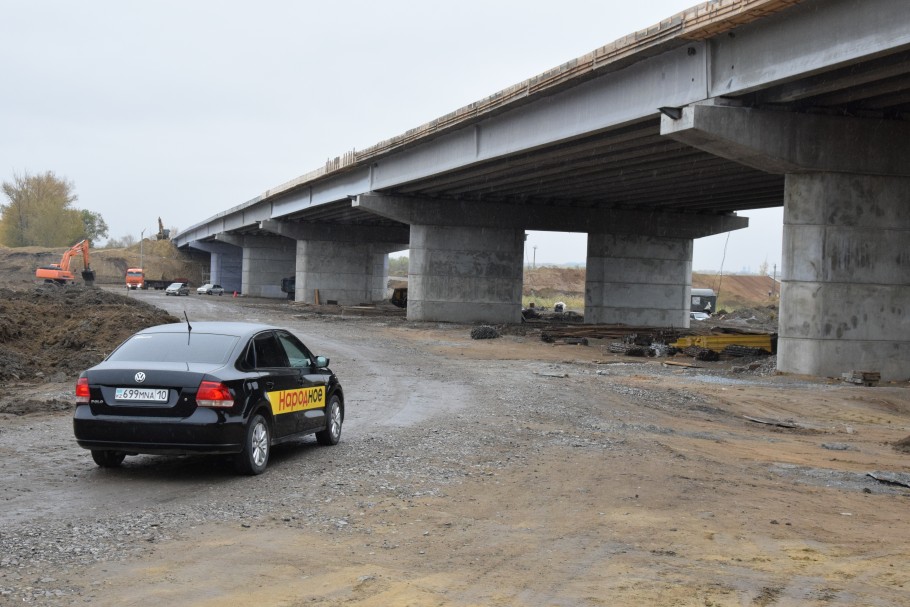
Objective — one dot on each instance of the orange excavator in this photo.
(61, 274)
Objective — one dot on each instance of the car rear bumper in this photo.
(205, 431)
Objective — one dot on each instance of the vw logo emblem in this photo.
(140, 377)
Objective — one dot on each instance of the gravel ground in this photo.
(446, 440)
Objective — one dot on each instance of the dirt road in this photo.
(494, 472)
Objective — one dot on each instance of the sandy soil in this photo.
(479, 472)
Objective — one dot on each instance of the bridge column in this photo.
(225, 264)
(845, 292)
(465, 274)
(638, 280)
(845, 295)
(466, 256)
(266, 260)
(349, 273)
(347, 264)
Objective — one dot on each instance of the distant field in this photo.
(548, 284)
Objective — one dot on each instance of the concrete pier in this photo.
(347, 264)
(465, 274)
(266, 260)
(845, 292)
(225, 265)
(638, 280)
(845, 296)
(466, 258)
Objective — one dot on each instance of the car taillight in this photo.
(214, 394)
(82, 392)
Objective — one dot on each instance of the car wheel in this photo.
(108, 459)
(333, 419)
(256, 447)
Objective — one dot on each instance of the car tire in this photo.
(257, 445)
(333, 420)
(108, 459)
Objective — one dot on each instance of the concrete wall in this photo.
(638, 280)
(465, 274)
(845, 292)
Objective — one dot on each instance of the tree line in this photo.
(39, 212)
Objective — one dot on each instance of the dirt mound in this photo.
(161, 260)
(550, 280)
(55, 332)
(739, 290)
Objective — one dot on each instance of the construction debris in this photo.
(891, 478)
(699, 353)
(484, 332)
(641, 335)
(744, 351)
(674, 363)
(863, 378)
(719, 343)
(771, 422)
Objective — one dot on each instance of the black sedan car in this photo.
(207, 387)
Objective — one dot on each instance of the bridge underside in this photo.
(753, 113)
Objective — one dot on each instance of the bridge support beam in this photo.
(638, 280)
(347, 264)
(845, 293)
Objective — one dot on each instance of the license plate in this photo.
(155, 395)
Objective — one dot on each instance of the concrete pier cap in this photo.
(466, 257)
(344, 263)
(845, 292)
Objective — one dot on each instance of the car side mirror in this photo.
(321, 362)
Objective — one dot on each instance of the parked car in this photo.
(699, 315)
(178, 289)
(210, 289)
(223, 388)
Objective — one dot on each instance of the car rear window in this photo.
(176, 347)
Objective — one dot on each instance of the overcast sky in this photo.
(182, 109)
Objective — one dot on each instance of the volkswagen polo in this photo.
(227, 388)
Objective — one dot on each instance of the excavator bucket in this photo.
(89, 277)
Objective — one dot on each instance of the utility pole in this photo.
(141, 238)
(534, 258)
(775, 279)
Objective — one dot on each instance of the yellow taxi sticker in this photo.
(288, 401)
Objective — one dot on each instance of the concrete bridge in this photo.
(644, 144)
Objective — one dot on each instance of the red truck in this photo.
(135, 279)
